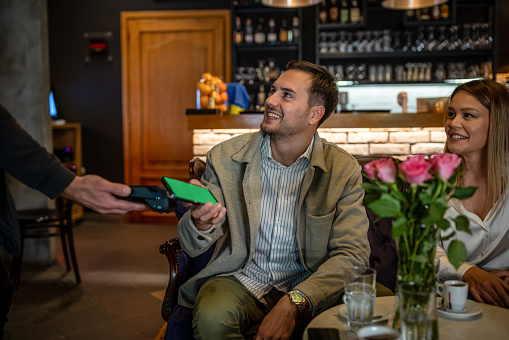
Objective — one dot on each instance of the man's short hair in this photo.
(323, 90)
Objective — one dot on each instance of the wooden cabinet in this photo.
(67, 146)
(164, 53)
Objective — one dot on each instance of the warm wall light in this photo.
(290, 3)
(410, 4)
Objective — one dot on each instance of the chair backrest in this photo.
(384, 255)
(196, 168)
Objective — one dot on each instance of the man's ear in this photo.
(317, 113)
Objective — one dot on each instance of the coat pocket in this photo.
(316, 239)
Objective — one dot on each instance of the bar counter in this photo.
(357, 120)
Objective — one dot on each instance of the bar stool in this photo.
(44, 223)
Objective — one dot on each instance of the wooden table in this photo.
(491, 324)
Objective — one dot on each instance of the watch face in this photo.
(297, 297)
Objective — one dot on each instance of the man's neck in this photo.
(287, 151)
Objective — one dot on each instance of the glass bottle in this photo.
(283, 32)
(355, 12)
(323, 14)
(260, 98)
(272, 35)
(294, 32)
(248, 32)
(444, 11)
(435, 13)
(259, 35)
(333, 11)
(238, 33)
(344, 12)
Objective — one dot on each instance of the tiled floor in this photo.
(123, 280)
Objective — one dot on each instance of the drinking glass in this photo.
(360, 292)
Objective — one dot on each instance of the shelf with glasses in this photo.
(401, 54)
(280, 46)
(340, 26)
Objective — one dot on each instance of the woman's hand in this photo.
(487, 287)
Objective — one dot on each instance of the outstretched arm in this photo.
(96, 193)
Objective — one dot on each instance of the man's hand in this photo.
(96, 193)
(206, 215)
(487, 287)
(280, 321)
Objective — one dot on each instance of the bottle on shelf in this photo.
(324, 13)
(444, 11)
(294, 32)
(259, 35)
(344, 12)
(284, 32)
(435, 12)
(238, 32)
(271, 34)
(333, 11)
(260, 98)
(355, 13)
(248, 32)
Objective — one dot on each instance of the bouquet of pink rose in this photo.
(414, 194)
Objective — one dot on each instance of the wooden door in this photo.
(164, 53)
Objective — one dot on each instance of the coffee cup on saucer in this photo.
(454, 293)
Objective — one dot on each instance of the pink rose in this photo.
(444, 164)
(386, 170)
(369, 168)
(415, 170)
(416, 158)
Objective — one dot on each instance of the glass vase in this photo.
(416, 275)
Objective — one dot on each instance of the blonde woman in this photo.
(477, 128)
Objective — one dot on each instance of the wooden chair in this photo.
(44, 223)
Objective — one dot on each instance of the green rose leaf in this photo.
(370, 198)
(462, 193)
(457, 253)
(369, 186)
(386, 206)
(425, 198)
(420, 258)
(399, 196)
(444, 238)
(399, 226)
(462, 224)
(443, 224)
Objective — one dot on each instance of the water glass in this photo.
(360, 292)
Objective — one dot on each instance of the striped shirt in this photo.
(275, 262)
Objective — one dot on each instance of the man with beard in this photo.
(295, 217)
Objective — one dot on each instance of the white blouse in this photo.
(487, 247)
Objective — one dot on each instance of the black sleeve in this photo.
(25, 159)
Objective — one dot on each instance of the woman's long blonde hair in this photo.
(495, 97)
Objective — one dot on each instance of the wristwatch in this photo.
(299, 300)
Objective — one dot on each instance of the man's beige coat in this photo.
(331, 228)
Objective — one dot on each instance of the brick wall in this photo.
(359, 142)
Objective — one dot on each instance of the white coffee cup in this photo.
(454, 294)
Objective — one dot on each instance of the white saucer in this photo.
(380, 313)
(472, 308)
